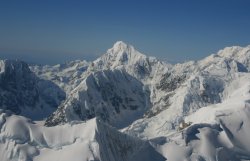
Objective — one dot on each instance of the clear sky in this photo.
(54, 31)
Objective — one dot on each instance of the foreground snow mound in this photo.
(228, 140)
(114, 96)
(123, 147)
(22, 92)
(23, 140)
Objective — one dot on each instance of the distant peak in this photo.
(121, 46)
(120, 43)
(121, 52)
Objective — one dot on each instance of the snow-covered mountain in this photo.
(67, 76)
(113, 95)
(22, 92)
(194, 84)
(218, 131)
(124, 56)
(186, 88)
(120, 81)
(240, 54)
(197, 110)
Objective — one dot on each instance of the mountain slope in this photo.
(186, 88)
(218, 132)
(67, 76)
(23, 93)
(240, 54)
(175, 91)
(121, 57)
(114, 96)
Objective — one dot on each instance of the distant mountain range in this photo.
(126, 106)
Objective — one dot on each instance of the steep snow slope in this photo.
(114, 96)
(23, 93)
(23, 140)
(237, 97)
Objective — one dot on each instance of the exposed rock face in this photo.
(169, 82)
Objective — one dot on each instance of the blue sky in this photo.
(54, 31)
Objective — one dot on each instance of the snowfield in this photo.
(23, 140)
(126, 106)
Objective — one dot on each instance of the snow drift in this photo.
(23, 140)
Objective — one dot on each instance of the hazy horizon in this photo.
(52, 32)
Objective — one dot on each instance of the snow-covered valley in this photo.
(126, 106)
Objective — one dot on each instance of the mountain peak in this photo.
(119, 43)
(121, 46)
(235, 52)
(16, 66)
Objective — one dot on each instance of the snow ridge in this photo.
(21, 139)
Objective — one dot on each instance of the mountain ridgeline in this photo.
(124, 85)
(121, 86)
(127, 106)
